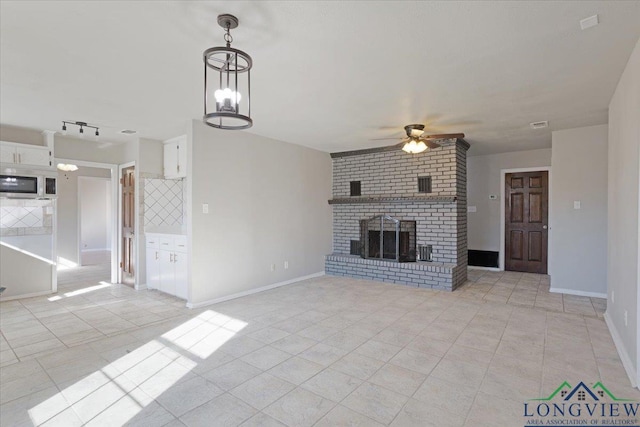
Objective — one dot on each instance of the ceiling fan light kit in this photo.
(417, 142)
(414, 147)
(227, 72)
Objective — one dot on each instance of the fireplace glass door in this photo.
(384, 237)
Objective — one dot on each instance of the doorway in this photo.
(68, 242)
(526, 215)
(128, 253)
(94, 220)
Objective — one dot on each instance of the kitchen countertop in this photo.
(168, 230)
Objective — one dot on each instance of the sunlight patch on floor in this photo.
(118, 392)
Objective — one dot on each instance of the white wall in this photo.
(23, 274)
(21, 135)
(68, 211)
(623, 215)
(66, 147)
(578, 243)
(267, 204)
(483, 179)
(95, 230)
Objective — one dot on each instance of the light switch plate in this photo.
(576, 204)
(493, 197)
(205, 208)
(472, 209)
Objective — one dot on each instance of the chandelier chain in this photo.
(227, 36)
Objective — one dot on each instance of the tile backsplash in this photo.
(163, 202)
(25, 217)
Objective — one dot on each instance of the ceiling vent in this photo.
(589, 22)
(539, 125)
(128, 131)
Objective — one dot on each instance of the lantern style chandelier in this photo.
(227, 83)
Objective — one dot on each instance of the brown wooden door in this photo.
(127, 264)
(526, 221)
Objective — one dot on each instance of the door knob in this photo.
(544, 227)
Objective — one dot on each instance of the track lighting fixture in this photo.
(82, 125)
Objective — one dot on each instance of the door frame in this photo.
(136, 224)
(115, 255)
(503, 173)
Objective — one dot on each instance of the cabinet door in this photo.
(180, 263)
(182, 159)
(7, 154)
(33, 156)
(171, 160)
(167, 272)
(153, 268)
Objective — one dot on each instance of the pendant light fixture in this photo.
(227, 83)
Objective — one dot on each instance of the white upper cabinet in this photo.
(25, 154)
(175, 157)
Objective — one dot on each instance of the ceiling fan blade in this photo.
(431, 143)
(443, 136)
(385, 139)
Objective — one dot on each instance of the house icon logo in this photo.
(581, 404)
(582, 392)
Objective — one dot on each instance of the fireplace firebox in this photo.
(387, 238)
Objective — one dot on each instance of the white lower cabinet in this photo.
(167, 264)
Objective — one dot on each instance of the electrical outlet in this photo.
(286, 265)
(273, 267)
(205, 208)
(626, 318)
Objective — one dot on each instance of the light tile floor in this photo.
(327, 352)
(530, 290)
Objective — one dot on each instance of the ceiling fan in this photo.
(417, 141)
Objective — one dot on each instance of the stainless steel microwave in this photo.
(28, 184)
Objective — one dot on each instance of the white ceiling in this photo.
(328, 75)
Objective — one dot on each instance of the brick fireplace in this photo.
(428, 190)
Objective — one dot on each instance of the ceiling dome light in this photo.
(67, 167)
(226, 71)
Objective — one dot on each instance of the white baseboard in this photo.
(141, 287)
(96, 250)
(624, 356)
(254, 291)
(578, 293)
(477, 267)
(35, 294)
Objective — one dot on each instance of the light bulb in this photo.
(219, 95)
(238, 97)
(227, 93)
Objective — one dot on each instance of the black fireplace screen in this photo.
(384, 237)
